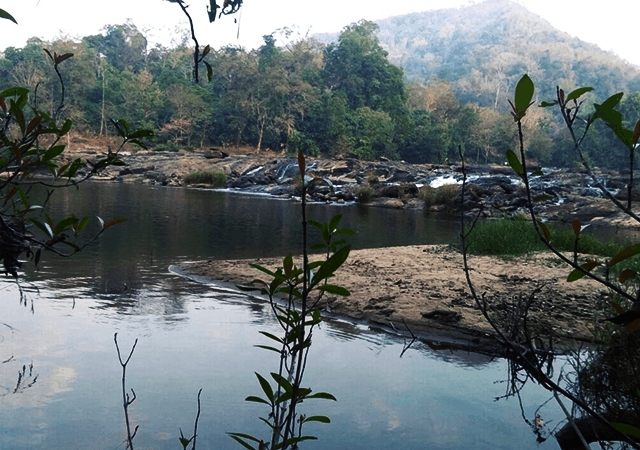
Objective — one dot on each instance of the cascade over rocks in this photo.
(559, 195)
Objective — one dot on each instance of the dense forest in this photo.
(342, 98)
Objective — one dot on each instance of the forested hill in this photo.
(483, 49)
(345, 99)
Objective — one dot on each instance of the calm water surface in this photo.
(192, 336)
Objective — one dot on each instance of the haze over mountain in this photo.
(483, 49)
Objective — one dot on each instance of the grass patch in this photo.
(504, 237)
(211, 177)
(444, 195)
(515, 237)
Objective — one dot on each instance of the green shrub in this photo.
(211, 177)
(167, 147)
(447, 194)
(372, 178)
(364, 194)
(428, 195)
(444, 195)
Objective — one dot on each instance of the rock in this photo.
(215, 153)
(389, 203)
(442, 316)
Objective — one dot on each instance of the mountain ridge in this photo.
(482, 49)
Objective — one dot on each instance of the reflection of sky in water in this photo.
(418, 401)
(192, 337)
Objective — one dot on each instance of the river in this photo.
(192, 336)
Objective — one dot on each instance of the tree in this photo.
(358, 69)
(601, 401)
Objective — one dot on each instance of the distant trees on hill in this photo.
(340, 99)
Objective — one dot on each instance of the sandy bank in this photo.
(425, 286)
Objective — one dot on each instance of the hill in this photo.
(483, 49)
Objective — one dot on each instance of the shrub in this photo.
(167, 147)
(447, 194)
(211, 177)
(364, 194)
(444, 195)
(428, 195)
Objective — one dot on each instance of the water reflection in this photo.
(194, 336)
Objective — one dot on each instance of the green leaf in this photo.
(514, 162)
(6, 15)
(548, 104)
(66, 127)
(45, 229)
(577, 93)
(322, 419)
(292, 441)
(331, 265)
(24, 198)
(141, 134)
(240, 438)
(282, 381)
(578, 274)
(83, 224)
(315, 264)
(333, 223)
(324, 395)
(315, 223)
(271, 336)
(284, 397)
(266, 347)
(287, 265)
(629, 430)
(302, 393)
(253, 398)
(524, 94)
(14, 91)
(345, 231)
(53, 152)
(64, 224)
(625, 253)
(266, 387)
(336, 290)
(318, 246)
(209, 70)
(608, 104)
(72, 170)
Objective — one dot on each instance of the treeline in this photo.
(340, 99)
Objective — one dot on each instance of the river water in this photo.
(191, 336)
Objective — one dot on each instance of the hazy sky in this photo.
(612, 24)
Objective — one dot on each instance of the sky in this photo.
(610, 24)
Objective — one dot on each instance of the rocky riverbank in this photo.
(561, 195)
